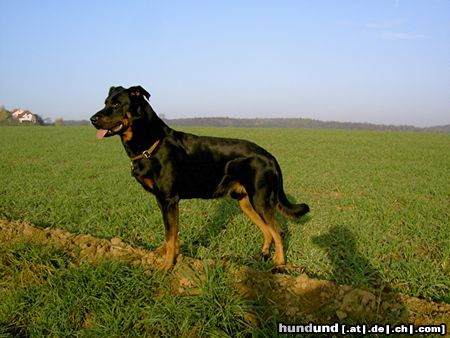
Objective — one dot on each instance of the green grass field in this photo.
(380, 215)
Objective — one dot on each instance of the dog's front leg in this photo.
(170, 216)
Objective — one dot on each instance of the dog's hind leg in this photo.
(256, 196)
(276, 233)
(248, 209)
(263, 203)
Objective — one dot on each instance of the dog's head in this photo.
(121, 107)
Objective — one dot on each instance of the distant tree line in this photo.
(298, 123)
(5, 119)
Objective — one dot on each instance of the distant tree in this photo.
(4, 113)
(48, 120)
(59, 122)
(39, 119)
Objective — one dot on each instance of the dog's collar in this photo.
(146, 153)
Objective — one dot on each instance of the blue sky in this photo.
(379, 61)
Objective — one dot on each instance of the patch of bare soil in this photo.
(296, 299)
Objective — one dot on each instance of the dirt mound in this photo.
(297, 299)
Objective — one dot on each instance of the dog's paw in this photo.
(278, 260)
(262, 256)
(161, 251)
(166, 266)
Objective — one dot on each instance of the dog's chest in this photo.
(143, 175)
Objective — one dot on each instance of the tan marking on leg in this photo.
(172, 243)
(278, 228)
(238, 188)
(170, 253)
(248, 209)
(161, 250)
(275, 229)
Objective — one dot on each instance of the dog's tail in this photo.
(285, 206)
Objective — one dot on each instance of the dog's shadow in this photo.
(349, 266)
(225, 211)
(284, 223)
(207, 234)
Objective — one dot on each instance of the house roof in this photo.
(19, 113)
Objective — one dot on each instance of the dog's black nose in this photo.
(94, 119)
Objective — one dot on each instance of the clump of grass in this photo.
(23, 264)
(59, 298)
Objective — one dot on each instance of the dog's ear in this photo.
(138, 91)
(115, 90)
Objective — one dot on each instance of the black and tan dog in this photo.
(173, 165)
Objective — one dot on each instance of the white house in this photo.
(23, 115)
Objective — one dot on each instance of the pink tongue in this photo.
(101, 133)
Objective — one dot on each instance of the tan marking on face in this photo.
(104, 120)
(127, 135)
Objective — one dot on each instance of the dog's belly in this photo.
(199, 182)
